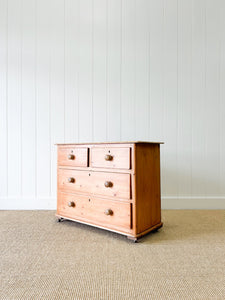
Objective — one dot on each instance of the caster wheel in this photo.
(133, 239)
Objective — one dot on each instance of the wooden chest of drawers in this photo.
(114, 186)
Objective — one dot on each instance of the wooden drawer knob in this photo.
(71, 156)
(108, 184)
(108, 212)
(108, 157)
(71, 179)
(71, 204)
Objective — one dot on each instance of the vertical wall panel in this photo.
(198, 98)
(212, 112)
(100, 14)
(28, 101)
(222, 97)
(169, 157)
(43, 99)
(85, 70)
(142, 70)
(156, 68)
(184, 117)
(57, 81)
(14, 97)
(114, 50)
(128, 89)
(3, 98)
(71, 70)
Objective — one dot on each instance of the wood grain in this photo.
(93, 182)
(79, 156)
(120, 157)
(148, 198)
(92, 208)
(107, 195)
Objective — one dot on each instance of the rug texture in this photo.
(43, 259)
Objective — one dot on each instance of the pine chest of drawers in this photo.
(114, 186)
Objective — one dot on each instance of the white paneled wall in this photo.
(113, 70)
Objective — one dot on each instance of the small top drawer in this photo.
(73, 156)
(115, 158)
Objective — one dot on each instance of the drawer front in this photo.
(107, 184)
(73, 156)
(115, 158)
(102, 212)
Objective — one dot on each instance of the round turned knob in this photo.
(108, 184)
(71, 179)
(108, 212)
(71, 156)
(71, 204)
(108, 157)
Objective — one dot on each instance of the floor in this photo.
(43, 259)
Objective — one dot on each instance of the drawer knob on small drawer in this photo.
(108, 157)
(71, 156)
(71, 204)
(108, 184)
(71, 179)
(108, 212)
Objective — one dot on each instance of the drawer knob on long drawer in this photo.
(71, 204)
(108, 184)
(108, 212)
(71, 179)
(71, 156)
(108, 157)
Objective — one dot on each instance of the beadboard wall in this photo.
(112, 70)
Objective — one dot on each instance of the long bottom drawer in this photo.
(100, 211)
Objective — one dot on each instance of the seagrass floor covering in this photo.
(43, 259)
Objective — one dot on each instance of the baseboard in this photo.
(197, 202)
(27, 203)
(168, 202)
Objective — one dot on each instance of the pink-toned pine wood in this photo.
(94, 209)
(120, 193)
(94, 183)
(73, 156)
(119, 158)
